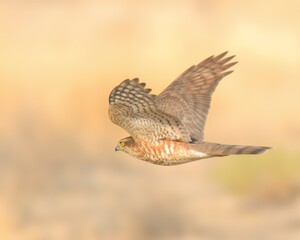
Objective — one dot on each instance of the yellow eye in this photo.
(122, 144)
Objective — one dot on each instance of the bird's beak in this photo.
(117, 148)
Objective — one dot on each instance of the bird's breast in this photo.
(170, 153)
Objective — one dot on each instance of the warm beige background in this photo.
(59, 175)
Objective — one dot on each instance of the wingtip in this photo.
(124, 82)
(224, 53)
(229, 65)
(148, 90)
(220, 56)
(135, 80)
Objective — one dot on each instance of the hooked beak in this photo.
(117, 148)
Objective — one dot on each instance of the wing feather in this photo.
(133, 108)
(188, 97)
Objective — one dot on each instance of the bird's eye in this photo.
(122, 144)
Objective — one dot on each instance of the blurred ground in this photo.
(59, 175)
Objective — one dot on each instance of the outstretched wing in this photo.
(133, 108)
(188, 97)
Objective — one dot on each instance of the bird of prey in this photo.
(168, 128)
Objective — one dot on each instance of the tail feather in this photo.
(217, 149)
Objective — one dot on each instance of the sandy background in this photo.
(59, 175)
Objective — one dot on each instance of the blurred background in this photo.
(59, 175)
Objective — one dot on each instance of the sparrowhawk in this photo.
(168, 129)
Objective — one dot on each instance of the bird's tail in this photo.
(216, 149)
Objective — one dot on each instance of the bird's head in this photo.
(125, 145)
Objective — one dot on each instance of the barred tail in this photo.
(217, 149)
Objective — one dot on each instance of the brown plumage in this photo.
(168, 129)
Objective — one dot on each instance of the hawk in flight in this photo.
(168, 129)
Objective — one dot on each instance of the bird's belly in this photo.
(172, 153)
